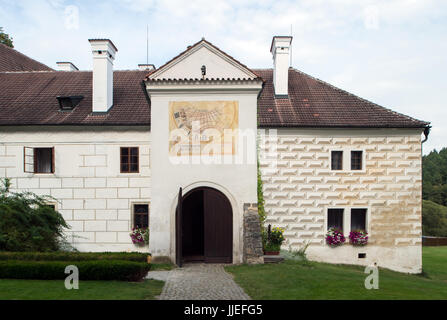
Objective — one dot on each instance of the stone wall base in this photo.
(253, 252)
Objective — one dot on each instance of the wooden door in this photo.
(178, 230)
(218, 225)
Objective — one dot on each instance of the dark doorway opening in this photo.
(205, 227)
(193, 227)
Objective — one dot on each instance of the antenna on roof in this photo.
(147, 44)
(291, 34)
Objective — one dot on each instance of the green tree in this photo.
(434, 176)
(5, 38)
(28, 223)
(434, 219)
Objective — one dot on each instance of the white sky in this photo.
(392, 52)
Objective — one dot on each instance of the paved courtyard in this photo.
(198, 281)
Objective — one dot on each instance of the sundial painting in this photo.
(203, 127)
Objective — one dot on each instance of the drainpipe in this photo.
(426, 133)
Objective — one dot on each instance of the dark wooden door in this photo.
(178, 230)
(218, 225)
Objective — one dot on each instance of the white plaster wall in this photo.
(237, 181)
(92, 195)
(217, 66)
(300, 189)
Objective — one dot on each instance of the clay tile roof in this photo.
(11, 60)
(28, 91)
(29, 98)
(315, 103)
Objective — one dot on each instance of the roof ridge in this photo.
(24, 55)
(191, 47)
(358, 97)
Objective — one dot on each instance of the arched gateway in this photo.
(204, 227)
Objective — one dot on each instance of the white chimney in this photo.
(66, 66)
(103, 55)
(145, 66)
(280, 50)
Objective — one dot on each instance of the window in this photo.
(356, 160)
(358, 219)
(38, 160)
(337, 160)
(141, 215)
(335, 218)
(129, 160)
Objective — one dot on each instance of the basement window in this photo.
(129, 160)
(356, 160)
(335, 219)
(38, 160)
(362, 255)
(140, 215)
(337, 160)
(358, 219)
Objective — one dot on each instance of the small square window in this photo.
(358, 219)
(141, 215)
(129, 160)
(356, 160)
(335, 219)
(38, 160)
(337, 160)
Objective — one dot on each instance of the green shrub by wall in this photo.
(73, 256)
(88, 270)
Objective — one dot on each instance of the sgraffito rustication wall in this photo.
(299, 188)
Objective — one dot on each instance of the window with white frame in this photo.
(38, 160)
(356, 160)
(336, 160)
(141, 215)
(358, 219)
(335, 218)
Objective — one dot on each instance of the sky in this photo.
(391, 52)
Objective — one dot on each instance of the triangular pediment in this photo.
(189, 65)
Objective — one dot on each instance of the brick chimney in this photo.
(104, 52)
(280, 52)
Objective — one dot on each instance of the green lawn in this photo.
(296, 280)
(15, 289)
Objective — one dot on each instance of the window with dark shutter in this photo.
(141, 215)
(129, 160)
(337, 160)
(335, 218)
(358, 219)
(356, 160)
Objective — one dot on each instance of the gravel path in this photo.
(198, 281)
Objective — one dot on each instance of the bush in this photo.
(434, 219)
(88, 270)
(27, 223)
(273, 238)
(74, 256)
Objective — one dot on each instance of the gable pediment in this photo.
(189, 65)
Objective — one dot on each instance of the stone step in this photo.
(273, 259)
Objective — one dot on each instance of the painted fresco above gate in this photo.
(203, 127)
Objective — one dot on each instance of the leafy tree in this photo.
(434, 176)
(27, 223)
(434, 219)
(5, 38)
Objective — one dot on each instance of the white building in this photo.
(115, 147)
